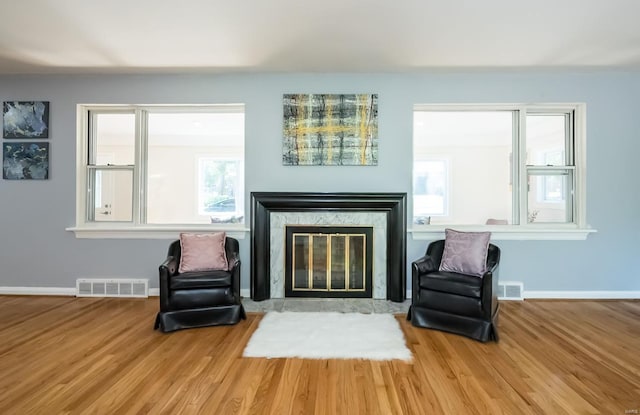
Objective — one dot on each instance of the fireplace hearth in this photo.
(390, 208)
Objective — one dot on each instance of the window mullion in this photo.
(90, 194)
(93, 138)
(520, 181)
(571, 161)
(140, 169)
(570, 139)
(580, 161)
(89, 144)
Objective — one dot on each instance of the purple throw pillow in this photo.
(465, 252)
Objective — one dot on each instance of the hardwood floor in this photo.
(61, 355)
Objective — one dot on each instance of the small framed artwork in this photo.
(25, 161)
(25, 119)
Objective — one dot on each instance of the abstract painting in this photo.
(25, 119)
(330, 130)
(25, 161)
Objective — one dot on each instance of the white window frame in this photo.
(137, 228)
(578, 229)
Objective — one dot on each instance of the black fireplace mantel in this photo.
(393, 204)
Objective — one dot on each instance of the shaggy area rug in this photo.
(328, 335)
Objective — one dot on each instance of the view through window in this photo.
(165, 165)
(494, 165)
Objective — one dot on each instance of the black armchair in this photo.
(453, 302)
(199, 298)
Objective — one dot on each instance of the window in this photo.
(550, 167)
(519, 165)
(142, 166)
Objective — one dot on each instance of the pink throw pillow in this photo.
(203, 252)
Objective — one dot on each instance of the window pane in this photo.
(115, 139)
(478, 147)
(546, 140)
(112, 192)
(217, 181)
(195, 172)
(429, 190)
(549, 198)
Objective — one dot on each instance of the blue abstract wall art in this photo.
(25, 119)
(25, 161)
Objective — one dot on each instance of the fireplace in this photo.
(328, 261)
(271, 212)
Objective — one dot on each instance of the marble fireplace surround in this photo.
(271, 211)
(376, 220)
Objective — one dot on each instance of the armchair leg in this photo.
(494, 334)
(494, 325)
(156, 325)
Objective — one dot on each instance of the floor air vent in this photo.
(119, 287)
(510, 290)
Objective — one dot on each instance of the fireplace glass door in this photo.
(326, 261)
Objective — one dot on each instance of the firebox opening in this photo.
(328, 261)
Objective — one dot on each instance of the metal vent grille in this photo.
(118, 287)
(510, 290)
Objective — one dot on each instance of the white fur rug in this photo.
(328, 335)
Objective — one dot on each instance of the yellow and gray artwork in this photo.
(330, 130)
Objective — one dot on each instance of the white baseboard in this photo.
(37, 291)
(583, 295)
(245, 292)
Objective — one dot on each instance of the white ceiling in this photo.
(213, 36)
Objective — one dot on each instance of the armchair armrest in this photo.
(169, 266)
(425, 265)
(421, 266)
(490, 291)
(167, 269)
(234, 269)
(233, 260)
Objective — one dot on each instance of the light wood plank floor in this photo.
(62, 355)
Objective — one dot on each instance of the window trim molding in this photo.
(507, 232)
(84, 229)
(150, 231)
(579, 229)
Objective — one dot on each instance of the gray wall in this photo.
(36, 251)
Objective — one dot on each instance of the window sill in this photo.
(151, 232)
(506, 233)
